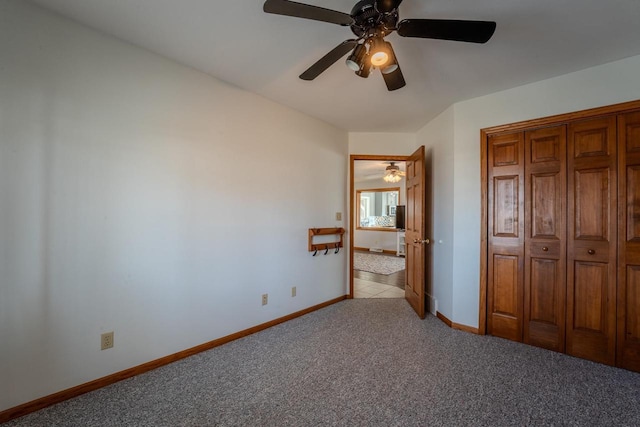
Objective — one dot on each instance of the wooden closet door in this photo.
(628, 353)
(506, 235)
(592, 229)
(545, 237)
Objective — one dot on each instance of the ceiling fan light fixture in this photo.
(392, 64)
(356, 60)
(379, 52)
(392, 173)
(365, 64)
(378, 59)
(365, 70)
(390, 68)
(393, 178)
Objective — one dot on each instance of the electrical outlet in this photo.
(265, 299)
(293, 291)
(338, 216)
(106, 340)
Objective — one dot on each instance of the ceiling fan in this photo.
(371, 21)
(393, 173)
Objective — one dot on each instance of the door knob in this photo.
(425, 241)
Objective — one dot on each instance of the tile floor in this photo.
(367, 289)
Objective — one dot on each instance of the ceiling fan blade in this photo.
(301, 10)
(394, 80)
(448, 29)
(328, 60)
(386, 6)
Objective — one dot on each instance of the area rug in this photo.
(379, 264)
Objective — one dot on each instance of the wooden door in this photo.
(415, 230)
(506, 236)
(545, 238)
(628, 352)
(591, 244)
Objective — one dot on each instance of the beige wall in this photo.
(145, 198)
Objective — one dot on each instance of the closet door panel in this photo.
(506, 213)
(545, 237)
(632, 204)
(543, 306)
(506, 235)
(545, 193)
(631, 322)
(592, 237)
(506, 310)
(592, 193)
(628, 324)
(590, 297)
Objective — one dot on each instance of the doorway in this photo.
(417, 225)
(378, 218)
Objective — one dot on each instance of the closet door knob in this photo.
(591, 252)
(545, 249)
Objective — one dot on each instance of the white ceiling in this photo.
(237, 42)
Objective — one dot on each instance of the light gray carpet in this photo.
(377, 263)
(362, 363)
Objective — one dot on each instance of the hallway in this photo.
(372, 285)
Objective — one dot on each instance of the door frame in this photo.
(352, 193)
(485, 133)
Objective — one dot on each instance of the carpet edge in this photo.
(61, 396)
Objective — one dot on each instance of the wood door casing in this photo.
(415, 229)
(591, 244)
(545, 238)
(628, 319)
(506, 236)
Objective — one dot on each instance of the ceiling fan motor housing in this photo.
(368, 21)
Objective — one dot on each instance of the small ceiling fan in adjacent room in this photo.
(371, 21)
(393, 173)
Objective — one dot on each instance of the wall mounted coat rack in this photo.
(315, 247)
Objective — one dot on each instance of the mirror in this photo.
(376, 208)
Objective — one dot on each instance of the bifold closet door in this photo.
(592, 236)
(545, 237)
(628, 354)
(506, 236)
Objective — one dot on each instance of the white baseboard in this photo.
(433, 304)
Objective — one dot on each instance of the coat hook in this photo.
(327, 250)
(316, 252)
(337, 248)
